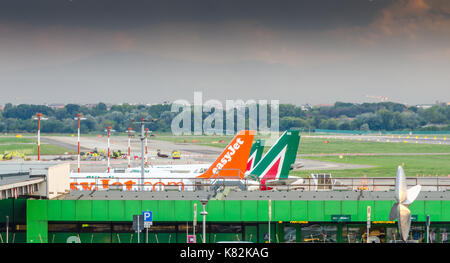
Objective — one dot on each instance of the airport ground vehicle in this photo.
(176, 154)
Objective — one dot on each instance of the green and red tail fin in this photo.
(277, 162)
(255, 155)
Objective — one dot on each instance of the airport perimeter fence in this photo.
(438, 183)
(360, 132)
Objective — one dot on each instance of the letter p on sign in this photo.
(148, 216)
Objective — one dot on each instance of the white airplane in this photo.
(255, 155)
(232, 163)
(230, 167)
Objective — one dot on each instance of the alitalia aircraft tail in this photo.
(275, 165)
(233, 160)
(255, 155)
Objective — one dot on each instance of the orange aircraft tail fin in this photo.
(233, 160)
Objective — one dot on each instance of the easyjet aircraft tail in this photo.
(277, 162)
(232, 162)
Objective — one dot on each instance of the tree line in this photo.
(383, 116)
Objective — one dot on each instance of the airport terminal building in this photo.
(295, 216)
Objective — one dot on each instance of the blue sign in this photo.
(148, 216)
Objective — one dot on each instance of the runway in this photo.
(388, 138)
(190, 153)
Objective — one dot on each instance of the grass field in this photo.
(317, 145)
(28, 146)
(386, 166)
(10, 140)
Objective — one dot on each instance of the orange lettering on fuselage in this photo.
(129, 184)
(86, 186)
(105, 183)
(177, 183)
(73, 186)
(161, 183)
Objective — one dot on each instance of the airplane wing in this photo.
(287, 181)
(252, 177)
(297, 165)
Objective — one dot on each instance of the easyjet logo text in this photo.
(229, 155)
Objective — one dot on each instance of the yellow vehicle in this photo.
(176, 155)
(10, 155)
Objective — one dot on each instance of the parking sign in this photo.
(148, 218)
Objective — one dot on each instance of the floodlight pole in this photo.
(79, 118)
(142, 155)
(142, 123)
(194, 223)
(204, 214)
(129, 147)
(39, 118)
(39, 135)
(270, 216)
(108, 129)
(146, 146)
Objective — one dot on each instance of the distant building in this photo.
(56, 105)
(323, 105)
(90, 106)
(306, 107)
(424, 106)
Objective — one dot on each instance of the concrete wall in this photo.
(58, 180)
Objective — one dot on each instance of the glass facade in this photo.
(123, 232)
(320, 232)
(105, 221)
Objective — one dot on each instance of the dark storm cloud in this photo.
(109, 13)
(295, 51)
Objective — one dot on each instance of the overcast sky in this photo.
(84, 51)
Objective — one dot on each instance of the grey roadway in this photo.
(384, 138)
(191, 153)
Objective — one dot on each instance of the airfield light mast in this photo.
(79, 118)
(108, 129)
(146, 146)
(142, 123)
(129, 131)
(39, 118)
